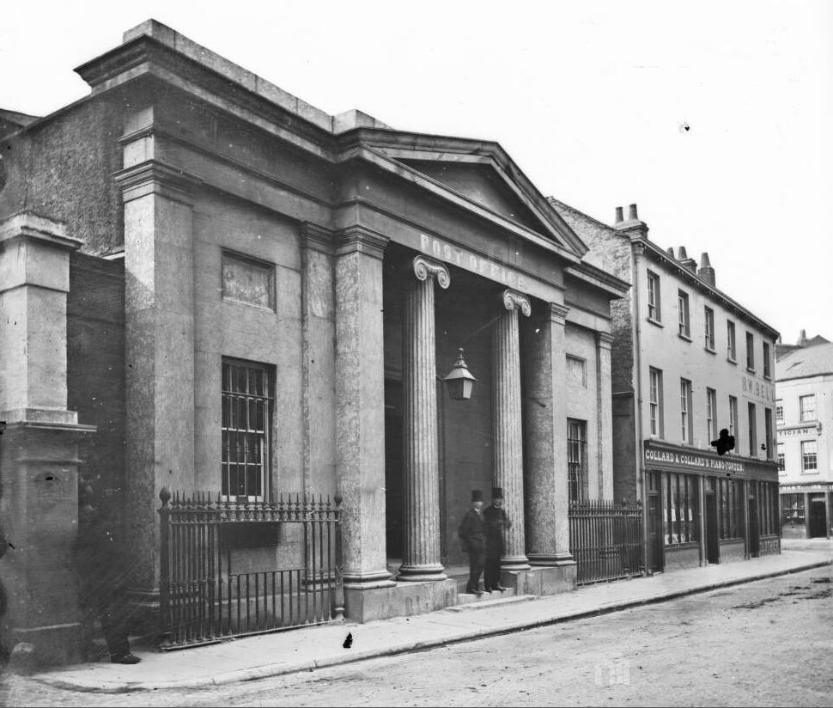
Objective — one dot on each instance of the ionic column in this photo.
(421, 543)
(506, 422)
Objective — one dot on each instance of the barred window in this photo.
(576, 458)
(808, 456)
(681, 508)
(245, 430)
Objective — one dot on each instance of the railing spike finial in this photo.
(165, 496)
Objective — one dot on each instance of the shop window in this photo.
(654, 310)
(681, 509)
(576, 459)
(731, 509)
(655, 404)
(807, 408)
(685, 318)
(731, 349)
(246, 410)
(709, 333)
(792, 510)
(808, 456)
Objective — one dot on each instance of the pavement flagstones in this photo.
(319, 646)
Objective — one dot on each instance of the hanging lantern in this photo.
(460, 381)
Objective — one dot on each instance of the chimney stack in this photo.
(670, 251)
(633, 226)
(705, 271)
(685, 261)
(802, 338)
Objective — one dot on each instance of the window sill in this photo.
(750, 370)
(710, 350)
(731, 360)
(809, 472)
(685, 336)
(768, 377)
(654, 322)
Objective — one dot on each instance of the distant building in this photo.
(688, 360)
(804, 417)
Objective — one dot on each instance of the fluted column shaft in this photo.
(421, 484)
(507, 427)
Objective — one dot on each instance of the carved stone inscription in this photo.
(248, 281)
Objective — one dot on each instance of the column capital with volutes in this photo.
(426, 267)
(513, 300)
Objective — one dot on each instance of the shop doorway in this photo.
(712, 535)
(654, 524)
(818, 518)
(754, 535)
(393, 469)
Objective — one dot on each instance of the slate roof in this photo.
(805, 362)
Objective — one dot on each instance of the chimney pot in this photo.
(704, 260)
(670, 251)
(705, 271)
(632, 213)
(681, 254)
(619, 215)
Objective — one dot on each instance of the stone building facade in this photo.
(188, 236)
(687, 362)
(804, 415)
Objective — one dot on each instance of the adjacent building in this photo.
(688, 361)
(209, 286)
(804, 416)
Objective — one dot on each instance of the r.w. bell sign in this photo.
(692, 460)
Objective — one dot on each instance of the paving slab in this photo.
(309, 648)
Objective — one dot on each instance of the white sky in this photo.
(588, 98)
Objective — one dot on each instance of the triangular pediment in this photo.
(484, 175)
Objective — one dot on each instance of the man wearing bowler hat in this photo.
(496, 521)
(472, 534)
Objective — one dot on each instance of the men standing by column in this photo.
(496, 521)
(472, 533)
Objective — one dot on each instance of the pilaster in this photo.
(360, 408)
(604, 408)
(159, 341)
(421, 542)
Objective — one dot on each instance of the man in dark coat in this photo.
(102, 577)
(496, 522)
(472, 534)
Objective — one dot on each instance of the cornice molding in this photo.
(425, 267)
(360, 239)
(513, 300)
(155, 177)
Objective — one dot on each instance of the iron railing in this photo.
(606, 540)
(205, 597)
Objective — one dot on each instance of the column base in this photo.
(513, 563)
(398, 600)
(541, 581)
(421, 573)
(551, 559)
(368, 581)
(35, 647)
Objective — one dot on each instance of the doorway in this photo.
(712, 535)
(654, 524)
(393, 469)
(818, 517)
(754, 535)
